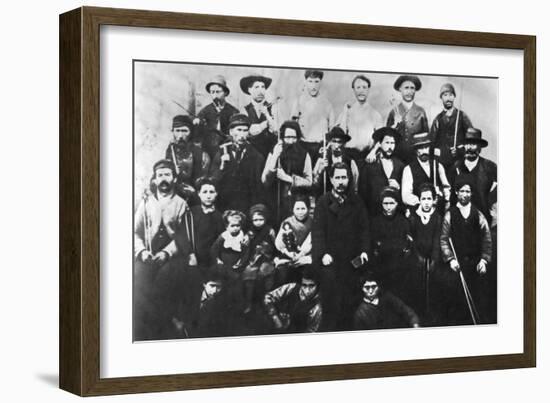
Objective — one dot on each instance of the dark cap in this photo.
(239, 119)
(447, 87)
(413, 79)
(164, 164)
(182, 120)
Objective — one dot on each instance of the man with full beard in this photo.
(190, 162)
(288, 168)
(449, 127)
(387, 170)
(237, 169)
(424, 169)
(156, 221)
(481, 173)
(341, 243)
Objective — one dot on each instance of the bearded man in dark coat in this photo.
(237, 169)
(340, 235)
(287, 170)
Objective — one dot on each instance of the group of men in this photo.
(403, 214)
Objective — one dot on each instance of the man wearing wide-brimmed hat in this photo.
(359, 119)
(314, 112)
(481, 172)
(407, 117)
(262, 114)
(335, 152)
(215, 116)
(424, 169)
(449, 127)
(237, 169)
(386, 170)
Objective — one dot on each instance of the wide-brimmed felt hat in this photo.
(413, 79)
(338, 133)
(473, 135)
(246, 82)
(218, 80)
(239, 119)
(379, 134)
(421, 139)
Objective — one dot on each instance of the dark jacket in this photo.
(390, 313)
(443, 133)
(373, 179)
(341, 230)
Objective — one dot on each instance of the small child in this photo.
(294, 241)
(425, 224)
(391, 243)
(258, 274)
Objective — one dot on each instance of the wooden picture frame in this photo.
(80, 199)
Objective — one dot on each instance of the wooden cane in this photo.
(468, 296)
(174, 159)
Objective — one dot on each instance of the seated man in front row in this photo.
(296, 307)
(381, 309)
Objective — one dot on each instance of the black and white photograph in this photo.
(270, 200)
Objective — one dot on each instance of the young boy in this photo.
(391, 242)
(425, 224)
(196, 236)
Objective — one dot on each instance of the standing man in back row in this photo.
(314, 112)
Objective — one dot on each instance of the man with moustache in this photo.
(314, 112)
(360, 119)
(466, 246)
(407, 117)
(449, 127)
(215, 116)
(189, 160)
(287, 169)
(481, 172)
(262, 115)
(237, 169)
(335, 152)
(386, 170)
(424, 169)
(157, 219)
(340, 235)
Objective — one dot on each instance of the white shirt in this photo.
(471, 164)
(360, 121)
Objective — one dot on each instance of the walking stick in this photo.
(427, 279)
(469, 299)
(325, 170)
(458, 113)
(174, 159)
(146, 231)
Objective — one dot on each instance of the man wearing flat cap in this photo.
(481, 172)
(407, 117)
(190, 162)
(424, 169)
(334, 152)
(157, 218)
(359, 119)
(314, 112)
(262, 114)
(386, 170)
(237, 169)
(215, 116)
(449, 127)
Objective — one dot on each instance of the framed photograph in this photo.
(249, 201)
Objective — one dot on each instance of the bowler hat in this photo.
(246, 82)
(239, 119)
(218, 80)
(421, 139)
(473, 135)
(382, 132)
(413, 79)
(338, 133)
(447, 87)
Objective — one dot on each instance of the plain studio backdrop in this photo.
(29, 163)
